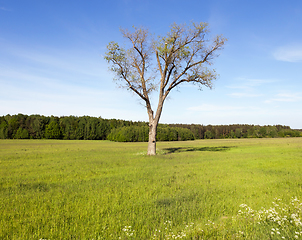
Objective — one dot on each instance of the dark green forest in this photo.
(22, 126)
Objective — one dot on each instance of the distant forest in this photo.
(92, 128)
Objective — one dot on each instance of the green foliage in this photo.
(36, 126)
(239, 131)
(129, 134)
(13, 126)
(3, 128)
(289, 133)
(140, 134)
(21, 134)
(68, 126)
(208, 135)
(52, 130)
(92, 128)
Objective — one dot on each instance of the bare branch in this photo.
(181, 56)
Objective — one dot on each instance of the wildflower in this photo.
(128, 231)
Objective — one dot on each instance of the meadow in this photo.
(203, 189)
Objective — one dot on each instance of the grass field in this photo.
(55, 189)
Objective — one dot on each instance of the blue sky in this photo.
(51, 59)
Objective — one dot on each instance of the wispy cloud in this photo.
(213, 108)
(242, 94)
(243, 83)
(5, 9)
(286, 97)
(75, 62)
(289, 53)
(38, 87)
(50, 96)
(247, 87)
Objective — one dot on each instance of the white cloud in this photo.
(248, 83)
(213, 108)
(248, 87)
(286, 97)
(5, 9)
(242, 94)
(289, 53)
(54, 61)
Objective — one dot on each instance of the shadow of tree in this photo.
(195, 149)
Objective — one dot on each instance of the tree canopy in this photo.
(92, 128)
(184, 54)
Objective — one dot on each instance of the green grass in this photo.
(55, 189)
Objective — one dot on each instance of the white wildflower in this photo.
(128, 231)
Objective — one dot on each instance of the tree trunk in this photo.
(152, 139)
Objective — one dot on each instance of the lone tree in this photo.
(181, 56)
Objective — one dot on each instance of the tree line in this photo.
(239, 131)
(22, 126)
(141, 134)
